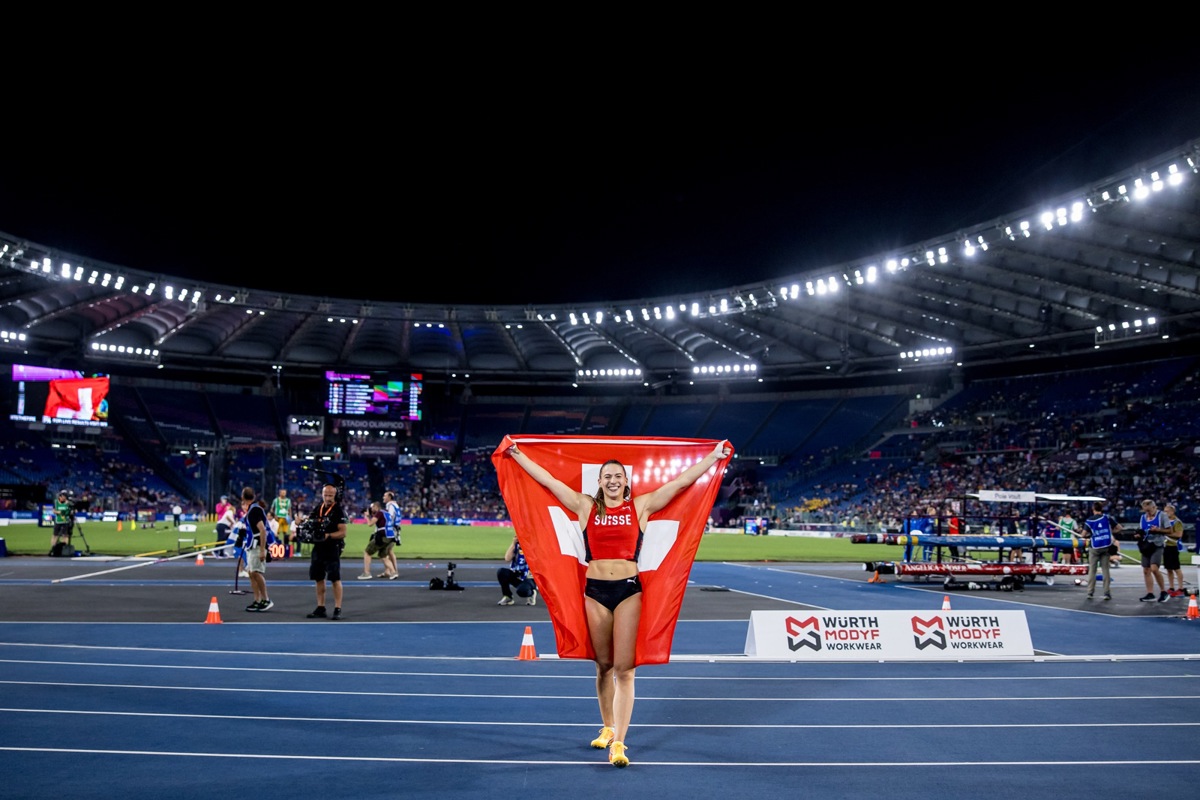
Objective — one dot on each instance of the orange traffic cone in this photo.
(874, 578)
(118, 524)
(214, 613)
(945, 602)
(200, 559)
(1193, 609)
(527, 652)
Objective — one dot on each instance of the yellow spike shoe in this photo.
(616, 755)
(604, 739)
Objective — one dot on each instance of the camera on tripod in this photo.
(63, 531)
(448, 583)
(80, 505)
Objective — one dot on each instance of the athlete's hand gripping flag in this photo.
(553, 543)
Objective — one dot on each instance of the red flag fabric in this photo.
(75, 398)
(553, 543)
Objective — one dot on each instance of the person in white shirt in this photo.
(225, 521)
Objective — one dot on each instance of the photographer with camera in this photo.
(64, 520)
(1152, 539)
(381, 544)
(1100, 531)
(516, 574)
(326, 529)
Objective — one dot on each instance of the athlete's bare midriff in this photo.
(611, 569)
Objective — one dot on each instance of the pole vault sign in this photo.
(991, 496)
(888, 635)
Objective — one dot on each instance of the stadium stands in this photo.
(861, 461)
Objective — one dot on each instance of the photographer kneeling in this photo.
(516, 574)
(325, 528)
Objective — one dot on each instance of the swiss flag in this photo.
(75, 398)
(553, 543)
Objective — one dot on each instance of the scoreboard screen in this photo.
(380, 396)
(54, 397)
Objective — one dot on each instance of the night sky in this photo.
(514, 189)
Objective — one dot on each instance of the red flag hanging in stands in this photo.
(553, 543)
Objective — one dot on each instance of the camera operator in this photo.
(329, 520)
(64, 521)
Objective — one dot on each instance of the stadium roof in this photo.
(1109, 268)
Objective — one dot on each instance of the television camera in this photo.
(313, 529)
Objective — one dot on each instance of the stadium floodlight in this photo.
(724, 371)
(121, 352)
(1127, 329)
(609, 375)
(936, 353)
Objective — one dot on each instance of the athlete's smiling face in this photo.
(613, 481)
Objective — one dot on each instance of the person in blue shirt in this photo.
(391, 510)
(1100, 530)
(920, 527)
(515, 574)
(380, 545)
(1151, 540)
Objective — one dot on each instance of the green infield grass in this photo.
(433, 542)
